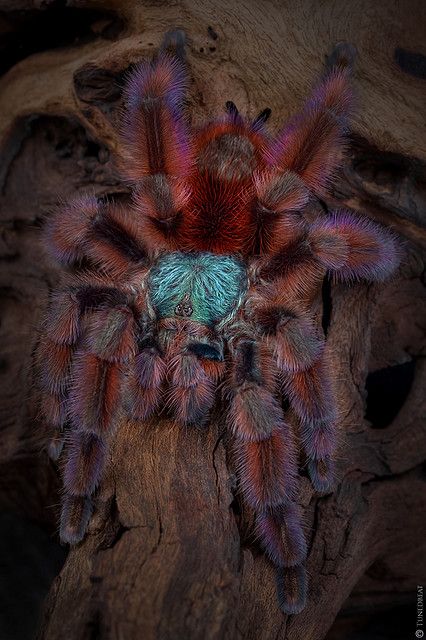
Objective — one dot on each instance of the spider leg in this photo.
(67, 227)
(55, 351)
(302, 159)
(108, 343)
(158, 154)
(146, 376)
(280, 530)
(90, 336)
(312, 144)
(263, 437)
(267, 469)
(53, 358)
(351, 247)
(195, 364)
(291, 333)
(104, 234)
(276, 218)
(154, 130)
(191, 389)
(294, 272)
(310, 392)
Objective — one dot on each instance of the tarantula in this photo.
(208, 279)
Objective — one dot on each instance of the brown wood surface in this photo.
(170, 553)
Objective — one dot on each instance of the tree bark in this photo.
(170, 552)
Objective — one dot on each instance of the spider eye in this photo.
(182, 309)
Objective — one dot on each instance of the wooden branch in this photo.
(170, 552)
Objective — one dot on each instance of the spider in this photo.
(205, 282)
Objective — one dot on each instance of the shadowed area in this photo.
(387, 391)
(25, 33)
(29, 561)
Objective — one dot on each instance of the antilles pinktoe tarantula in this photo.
(208, 277)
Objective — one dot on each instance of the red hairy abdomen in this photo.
(218, 216)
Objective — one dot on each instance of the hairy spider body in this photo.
(207, 281)
(210, 284)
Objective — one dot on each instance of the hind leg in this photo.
(311, 396)
(267, 469)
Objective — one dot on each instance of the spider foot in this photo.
(292, 589)
(342, 55)
(321, 473)
(75, 516)
(174, 43)
(55, 447)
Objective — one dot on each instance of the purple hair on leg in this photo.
(311, 395)
(153, 96)
(75, 516)
(372, 251)
(67, 229)
(94, 397)
(62, 325)
(111, 334)
(191, 389)
(318, 438)
(267, 469)
(85, 463)
(313, 142)
(254, 413)
(145, 383)
(292, 587)
(54, 362)
(280, 532)
(321, 473)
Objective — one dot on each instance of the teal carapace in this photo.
(203, 286)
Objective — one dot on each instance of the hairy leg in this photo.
(276, 221)
(312, 143)
(146, 375)
(94, 407)
(103, 234)
(293, 273)
(290, 332)
(158, 153)
(195, 363)
(267, 467)
(54, 354)
(353, 248)
(310, 392)
(89, 338)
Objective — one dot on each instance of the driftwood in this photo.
(170, 553)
